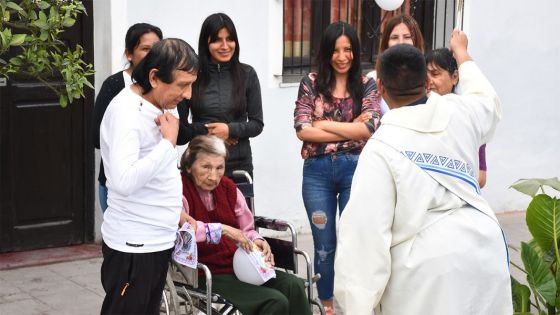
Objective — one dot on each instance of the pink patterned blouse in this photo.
(311, 106)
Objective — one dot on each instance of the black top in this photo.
(112, 86)
(217, 106)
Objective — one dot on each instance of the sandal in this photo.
(329, 310)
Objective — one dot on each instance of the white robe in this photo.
(416, 237)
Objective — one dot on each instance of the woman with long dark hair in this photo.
(337, 110)
(226, 96)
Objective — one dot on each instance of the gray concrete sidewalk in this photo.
(74, 287)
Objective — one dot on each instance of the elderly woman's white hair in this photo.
(202, 144)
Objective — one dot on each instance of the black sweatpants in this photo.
(133, 283)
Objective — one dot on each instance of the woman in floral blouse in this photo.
(337, 110)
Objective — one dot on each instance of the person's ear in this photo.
(455, 78)
(128, 55)
(154, 80)
(380, 87)
(427, 83)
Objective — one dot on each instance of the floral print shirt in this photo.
(311, 106)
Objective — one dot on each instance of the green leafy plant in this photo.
(540, 256)
(32, 29)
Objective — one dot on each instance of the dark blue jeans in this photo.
(326, 184)
(103, 197)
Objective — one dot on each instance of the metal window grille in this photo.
(305, 20)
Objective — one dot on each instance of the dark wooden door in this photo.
(46, 160)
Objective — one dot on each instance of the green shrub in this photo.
(32, 28)
(540, 256)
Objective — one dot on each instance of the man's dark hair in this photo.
(165, 56)
(402, 70)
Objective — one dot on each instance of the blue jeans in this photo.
(326, 183)
(103, 197)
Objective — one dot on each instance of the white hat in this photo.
(251, 267)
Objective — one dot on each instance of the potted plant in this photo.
(541, 255)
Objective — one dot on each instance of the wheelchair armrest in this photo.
(271, 224)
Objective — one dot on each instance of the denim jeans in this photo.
(103, 197)
(326, 184)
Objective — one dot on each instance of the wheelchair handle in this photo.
(242, 173)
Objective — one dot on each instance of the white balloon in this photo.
(389, 5)
(245, 270)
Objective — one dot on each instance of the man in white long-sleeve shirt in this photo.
(416, 236)
(138, 136)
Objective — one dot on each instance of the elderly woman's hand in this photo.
(185, 218)
(237, 236)
(265, 249)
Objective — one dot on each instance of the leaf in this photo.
(89, 84)
(539, 276)
(32, 15)
(3, 40)
(41, 24)
(63, 100)
(42, 16)
(43, 5)
(531, 186)
(14, 6)
(68, 21)
(520, 297)
(18, 39)
(16, 61)
(543, 220)
(44, 35)
(6, 16)
(52, 13)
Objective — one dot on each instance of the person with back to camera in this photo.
(416, 219)
(223, 219)
(138, 135)
(400, 29)
(226, 96)
(139, 39)
(444, 77)
(337, 110)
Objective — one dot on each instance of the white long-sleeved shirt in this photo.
(144, 183)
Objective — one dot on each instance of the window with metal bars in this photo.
(305, 20)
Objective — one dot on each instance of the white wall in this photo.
(517, 46)
(516, 49)
(259, 25)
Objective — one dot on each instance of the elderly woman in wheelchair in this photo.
(224, 222)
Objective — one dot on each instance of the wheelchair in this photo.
(182, 294)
